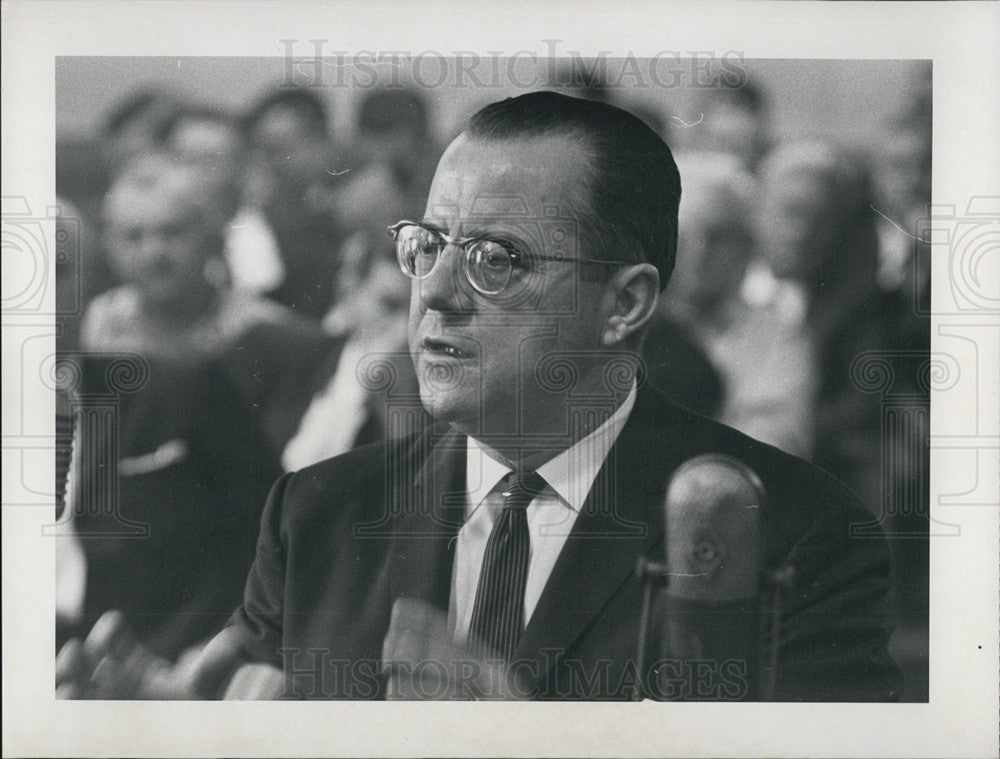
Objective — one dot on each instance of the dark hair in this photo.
(138, 105)
(635, 187)
(745, 94)
(384, 110)
(303, 102)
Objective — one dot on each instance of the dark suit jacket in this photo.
(174, 552)
(342, 539)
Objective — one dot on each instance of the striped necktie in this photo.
(498, 613)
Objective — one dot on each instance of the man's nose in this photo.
(446, 289)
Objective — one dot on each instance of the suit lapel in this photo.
(621, 520)
(428, 510)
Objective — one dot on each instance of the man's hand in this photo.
(423, 663)
(112, 664)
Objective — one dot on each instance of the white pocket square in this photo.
(168, 454)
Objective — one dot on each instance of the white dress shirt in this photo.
(551, 515)
(335, 415)
(252, 253)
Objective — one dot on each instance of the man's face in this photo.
(712, 252)
(157, 244)
(481, 360)
(288, 145)
(796, 230)
(735, 129)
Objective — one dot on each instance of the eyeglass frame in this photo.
(463, 244)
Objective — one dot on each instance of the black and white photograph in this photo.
(646, 379)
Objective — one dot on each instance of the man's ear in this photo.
(629, 301)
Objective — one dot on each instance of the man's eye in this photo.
(491, 255)
(519, 262)
(496, 258)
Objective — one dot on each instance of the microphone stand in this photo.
(652, 575)
(779, 582)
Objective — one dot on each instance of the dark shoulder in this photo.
(351, 486)
(349, 471)
(800, 496)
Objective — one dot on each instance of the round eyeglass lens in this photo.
(417, 250)
(488, 266)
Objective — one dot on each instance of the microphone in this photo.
(710, 624)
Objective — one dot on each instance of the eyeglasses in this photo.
(489, 264)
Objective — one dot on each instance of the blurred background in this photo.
(224, 221)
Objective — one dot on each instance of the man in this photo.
(775, 403)
(520, 515)
(291, 183)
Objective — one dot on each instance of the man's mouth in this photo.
(444, 348)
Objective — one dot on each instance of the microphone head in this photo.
(712, 510)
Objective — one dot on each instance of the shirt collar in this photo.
(570, 474)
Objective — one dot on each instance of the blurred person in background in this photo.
(761, 350)
(369, 372)
(198, 443)
(165, 229)
(392, 161)
(394, 133)
(903, 178)
(84, 170)
(736, 121)
(82, 269)
(817, 232)
(133, 126)
(292, 182)
(213, 141)
(904, 183)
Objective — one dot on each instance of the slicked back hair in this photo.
(635, 187)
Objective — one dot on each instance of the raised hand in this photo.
(111, 663)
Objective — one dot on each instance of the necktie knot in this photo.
(519, 488)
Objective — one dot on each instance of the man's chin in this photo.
(456, 409)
